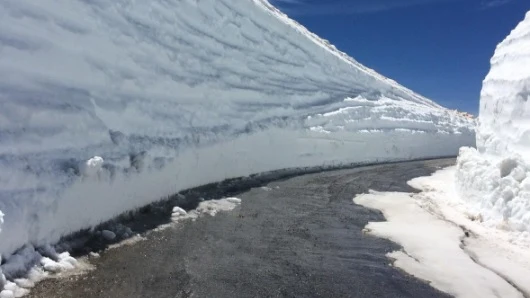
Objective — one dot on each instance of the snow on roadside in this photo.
(38, 268)
(445, 244)
(173, 90)
(431, 248)
(505, 251)
(28, 266)
(179, 94)
(211, 207)
(485, 197)
(494, 179)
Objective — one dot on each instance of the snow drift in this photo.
(109, 105)
(495, 180)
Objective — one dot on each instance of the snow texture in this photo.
(110, 105)
(504, 107)
(431, 248)
(34, 267)
(498, 250)
(211, 207)
(494, 180)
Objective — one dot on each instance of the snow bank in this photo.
(445, 244)
(496, 190)
(110, 105)
(494, 180)
(502, 251)
(432, 247)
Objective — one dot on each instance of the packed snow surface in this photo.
(444, 244)
(110, 105)
(432, 247)
(494, 180)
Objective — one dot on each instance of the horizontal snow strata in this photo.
(494, 179)
(110, 105)
(504, 107)
(432, 246)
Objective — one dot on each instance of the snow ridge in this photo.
(110, 105)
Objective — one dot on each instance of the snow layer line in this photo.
(494, 181)
(108, 105)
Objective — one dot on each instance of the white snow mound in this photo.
(109, 105)
(494, 180)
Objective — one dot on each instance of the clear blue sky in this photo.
(438, 48)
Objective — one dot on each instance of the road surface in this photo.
(301, 238)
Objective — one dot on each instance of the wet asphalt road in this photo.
(302, 238)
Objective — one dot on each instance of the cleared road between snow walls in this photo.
(299, 237)
(110, 105)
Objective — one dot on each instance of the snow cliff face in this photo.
(504, 105)
(109, 105)
(495, 180)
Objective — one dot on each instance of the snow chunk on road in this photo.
(431, 247)
(179, 211)
(64, 262)
(14, 291)
(210, 207)
(7, 294)
(214, 206)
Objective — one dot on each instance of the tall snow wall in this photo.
(108, 105)
(495, 180)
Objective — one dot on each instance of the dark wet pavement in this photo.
(301, 238)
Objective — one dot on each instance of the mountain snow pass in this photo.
(107, 106)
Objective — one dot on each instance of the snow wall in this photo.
(495, 180)
(108, 105)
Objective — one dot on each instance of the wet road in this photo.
(300, 238)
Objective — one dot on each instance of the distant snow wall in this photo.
(495, 180)
(109, 105)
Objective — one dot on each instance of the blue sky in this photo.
(438, 48)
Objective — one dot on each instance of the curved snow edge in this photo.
(30, 265)
(494, 181)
